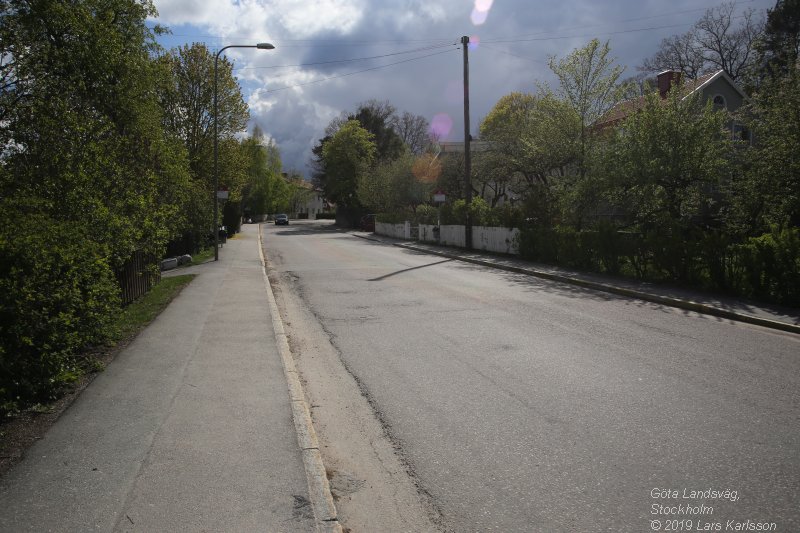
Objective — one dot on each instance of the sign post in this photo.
(438, 199)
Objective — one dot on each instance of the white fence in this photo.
(398, 231)
(489, 239)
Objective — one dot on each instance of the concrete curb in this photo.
(622, 291)
(319, 491)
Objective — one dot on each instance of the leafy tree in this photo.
(767, 193)
(662, 164)
(393, 185)
(188, 101)
(346, 157)
(780, 45)
(88, 176)
(588, 83)
(533, 137)
(265, 190)
(379, 118)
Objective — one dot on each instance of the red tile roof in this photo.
(622, 110)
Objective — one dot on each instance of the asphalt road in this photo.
(520, 404)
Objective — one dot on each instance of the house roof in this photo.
(621, 111)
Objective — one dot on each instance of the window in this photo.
(741, 134)
(719, 102)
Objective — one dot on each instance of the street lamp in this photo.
(215, 229)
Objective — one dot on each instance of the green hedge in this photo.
(58, 295)
(765, 267)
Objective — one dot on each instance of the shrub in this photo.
(57, 296)
(768, 266)
(426, 214)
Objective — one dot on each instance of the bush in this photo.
(325, 216)
(58, 295)
(426, 214)
(768, 266)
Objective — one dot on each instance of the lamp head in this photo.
(265, 46)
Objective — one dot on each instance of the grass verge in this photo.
(144, 310)
(202, 256)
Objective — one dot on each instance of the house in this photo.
(308, 201)
(716, 87)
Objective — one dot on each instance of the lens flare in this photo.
(474, 41)
(481, 11)
(454, 92)
(478, 17)
(441, 125)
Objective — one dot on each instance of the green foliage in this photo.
(265, 191)
(57, 296)
(88, 176)
(186, 94)
(767, 190)
(346, 157)
(392, 185)
(536, 135)
(589, 85)
(427, 214)
(665, 160)
(768, 266)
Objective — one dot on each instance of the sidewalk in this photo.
(189, 429)
(775, 317)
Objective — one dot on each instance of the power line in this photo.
(357, 72)
(433, 47)
(493, 49)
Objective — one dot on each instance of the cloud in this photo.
(516, 38)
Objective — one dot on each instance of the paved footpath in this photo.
(188, 429)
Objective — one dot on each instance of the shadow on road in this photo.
(408, 269)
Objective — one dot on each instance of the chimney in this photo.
(667, 80)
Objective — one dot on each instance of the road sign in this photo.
(222, 193)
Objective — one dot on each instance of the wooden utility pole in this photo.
(467, 157)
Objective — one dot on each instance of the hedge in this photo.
(58, 295)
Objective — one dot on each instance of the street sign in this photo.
(438, 197)
(222, 193)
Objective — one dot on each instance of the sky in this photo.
(331, 55)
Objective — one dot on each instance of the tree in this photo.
(767, 194)
(379, 118)
(346, 157)
(588, 82)
(413, 131)
(779, 47)
(535, 135)
(188, 101)
(677, 52)
(265, 190)
(715, 42)
(662, 164)
(88, 176)
(394, 185)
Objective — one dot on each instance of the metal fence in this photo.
(137, 277)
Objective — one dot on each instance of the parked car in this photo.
(367, 223)
(281, 220)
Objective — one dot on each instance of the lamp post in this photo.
(215, 229)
